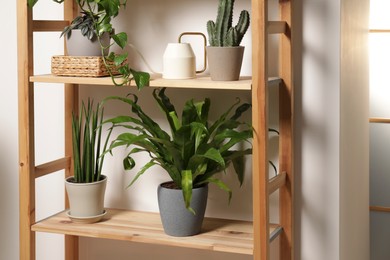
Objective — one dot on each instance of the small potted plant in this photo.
(192, 155)
(82, 28)
(225, 53)
(86, 188)
(95, 22)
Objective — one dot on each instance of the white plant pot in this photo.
(79, 45)
(86, 199)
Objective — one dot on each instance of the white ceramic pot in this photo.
(86, 199)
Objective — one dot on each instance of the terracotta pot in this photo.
(225, 62)
(176, 219)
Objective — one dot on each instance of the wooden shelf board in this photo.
(221, 235)
(245, 83)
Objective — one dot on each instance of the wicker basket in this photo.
(81, 66)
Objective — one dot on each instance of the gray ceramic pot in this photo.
(176, 219)
(225, 62)
(79, 45)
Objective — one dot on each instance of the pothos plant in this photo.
(98, 14)
(195, 150)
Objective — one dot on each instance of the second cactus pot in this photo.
(225, 62)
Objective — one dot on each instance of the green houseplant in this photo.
(98, 14)
(195, 150)
(225, 53)
(86, 187)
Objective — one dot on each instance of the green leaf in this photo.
(141, 78)
(186, 186)
(214, 155)
(142, 171)
(198, 130)
(102, 28)
(31, 3)
(168, 108)
(128, 163)
(221, 185)
(119, 59)
(120, 39)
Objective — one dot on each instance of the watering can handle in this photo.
(204, 47)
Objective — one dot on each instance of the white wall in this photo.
(9, 136)
(331, 130)
(318, 102)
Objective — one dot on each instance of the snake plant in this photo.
(194, 151)
(88, 157)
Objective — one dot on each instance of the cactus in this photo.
(221, 33)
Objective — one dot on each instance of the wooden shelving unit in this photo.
(233, 236)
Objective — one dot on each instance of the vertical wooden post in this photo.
(26, 132)
(260, 124)
(71, 105)
(286, 104)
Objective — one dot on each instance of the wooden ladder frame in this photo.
(262, 187)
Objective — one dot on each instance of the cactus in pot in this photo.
(221, 32)
(225, 54)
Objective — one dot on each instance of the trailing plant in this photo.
(194, 151)
(221, 32)
(88, 157)
(100, 13)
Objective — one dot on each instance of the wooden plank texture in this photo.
(71, 104)
(286, 105)
(276, 27)
(49, 26)
(244, 83)
(217, 234)
(50, 167)
(26, 132)
(380, 209)
(379, 120)
(276, 182)
(260, 125)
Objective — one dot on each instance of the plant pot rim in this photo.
(166, 182)
(103, 178)
(227, 47)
